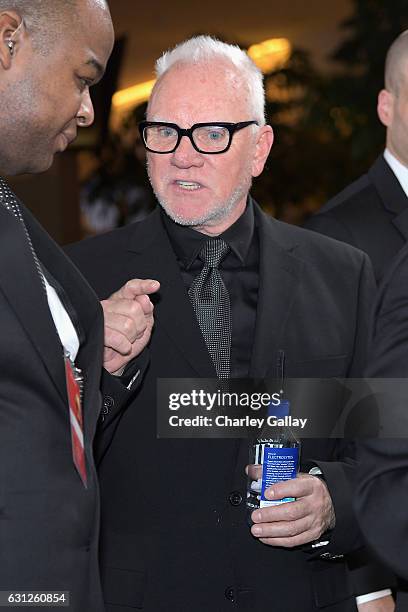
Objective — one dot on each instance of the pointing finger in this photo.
(137, 287)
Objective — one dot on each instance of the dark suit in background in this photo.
(382, 476)
(370, 214)
(174, 524)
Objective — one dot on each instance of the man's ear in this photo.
(264, 142)
(11, 30)
(385, 107)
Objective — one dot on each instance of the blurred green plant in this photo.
(326, 123)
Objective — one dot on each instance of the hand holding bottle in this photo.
(299, 522)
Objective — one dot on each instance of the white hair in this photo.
(203, 49)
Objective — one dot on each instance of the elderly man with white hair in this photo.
(241, 295)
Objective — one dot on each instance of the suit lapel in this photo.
(391, 193)
(88, 311)
(173, 310)
(80, 294)
(21, 284)
(401, 223)
(279, 279)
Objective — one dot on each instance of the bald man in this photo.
(51, 323)
(372, 213)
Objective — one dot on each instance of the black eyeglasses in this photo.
(213, 138)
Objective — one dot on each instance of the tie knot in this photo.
(213, 252)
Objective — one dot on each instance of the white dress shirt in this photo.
(65, 328)
(400, 171)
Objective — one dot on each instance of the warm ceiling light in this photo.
(133, 95)
(270, 54)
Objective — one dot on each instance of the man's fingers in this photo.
(131, 327)
(129, 321)
(117, 341)
(131, 317)
(294, 523)
(137, 287)
(110, 355)
(137, 308)
(291, 542)
(281, 529)
(289, 511)
(145, 303)
(298, 487)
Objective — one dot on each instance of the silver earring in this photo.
(10, 45)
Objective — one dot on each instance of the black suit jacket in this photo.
(175, 533)
(382, 478)
(48, 521)
(370, 214)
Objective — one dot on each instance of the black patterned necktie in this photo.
(210, 299)
(10, 202)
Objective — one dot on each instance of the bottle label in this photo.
(279, 464)
(280, 411)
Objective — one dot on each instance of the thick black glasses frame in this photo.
(231, 127)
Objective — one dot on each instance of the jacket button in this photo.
(108, 402)
(235, 498)
(230, 593)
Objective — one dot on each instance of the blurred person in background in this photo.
(118, 191)
(372, 213)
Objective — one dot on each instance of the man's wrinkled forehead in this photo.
(184, 73)
(203, 84)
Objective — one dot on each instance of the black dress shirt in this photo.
(239, 271)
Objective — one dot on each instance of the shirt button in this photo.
(235, 498)
(230, 593)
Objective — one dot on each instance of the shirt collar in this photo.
(400, 171)
(187, 242)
